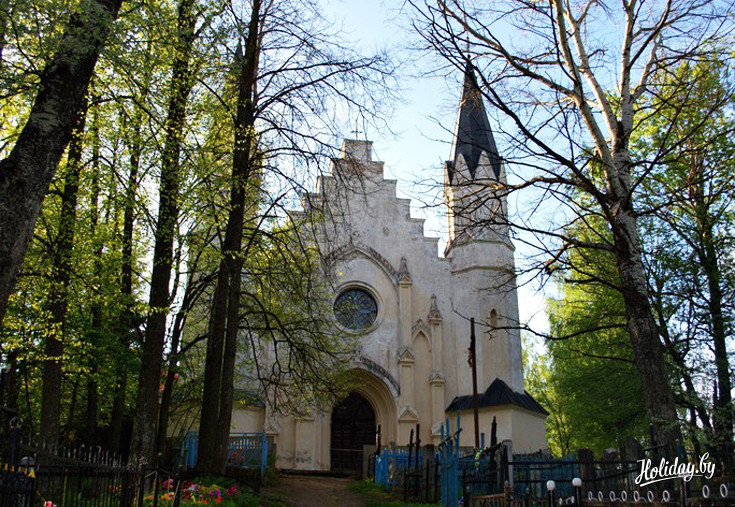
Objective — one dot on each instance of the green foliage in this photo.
(688, 148)
(540, 384)
(594, 389)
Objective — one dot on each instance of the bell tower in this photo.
(479, 245)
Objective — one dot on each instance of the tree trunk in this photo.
(691, 400)
(168, 387)
(222, 438)
(72, 411)
(27, 172)
(127, 324)
(206, 456)
(224, 320)
(144, 428)
(96, 310)
(644, 337)
(723, 413)
(9, 399)
(722, 416)
(60, 279)
(90, 438)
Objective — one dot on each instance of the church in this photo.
(411, 310)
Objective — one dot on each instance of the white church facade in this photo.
(410, 308)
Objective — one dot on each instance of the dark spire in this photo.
(238, 54)
(473, 134)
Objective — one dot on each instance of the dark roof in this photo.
(473, 134)
(498, 394)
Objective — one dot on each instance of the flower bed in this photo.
(196, 493)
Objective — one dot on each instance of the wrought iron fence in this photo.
(391, 466)
(81, 476)
(531, 473)
(422, 483)
(84, 477)
(484, 473)
(17, 485)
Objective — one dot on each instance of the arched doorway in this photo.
(353, 425)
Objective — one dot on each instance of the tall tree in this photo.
(95, 332)
(224, 323)
(146, 415)
(539, 382)
(128, 319)
(570, 102)
(60, 280)
(26, 173)
(692, 195)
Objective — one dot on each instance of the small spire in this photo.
(473, 134)
(434, 313)
(238, 52)
(403, 275)
(237, 61)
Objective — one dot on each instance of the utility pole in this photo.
(473, 363)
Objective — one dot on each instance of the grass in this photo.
(375, 496)
(268, 499)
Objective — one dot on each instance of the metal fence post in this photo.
(264, 456)
(436, 477)
(141, 482)
(684, 493)
(156, 480)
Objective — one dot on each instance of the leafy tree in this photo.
(165, 128)
(139, 75)
(224, 320)
(182, 81)
(59, 290)
(691, 193)
(27, 171)
(592, 364)
(539, 381)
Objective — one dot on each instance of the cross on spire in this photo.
(357, 130)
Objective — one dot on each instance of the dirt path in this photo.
(314, 491)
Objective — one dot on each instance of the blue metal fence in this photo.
(391, 465)
(449, 458)
(247, 450)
